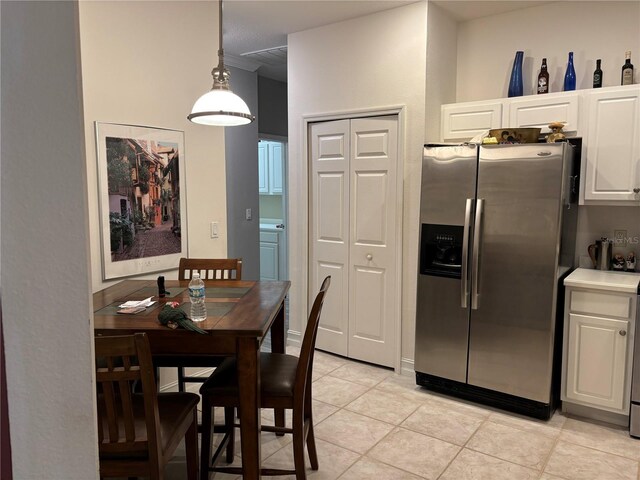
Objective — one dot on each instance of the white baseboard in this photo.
(173, 386)
(406, 367)
(294, 338)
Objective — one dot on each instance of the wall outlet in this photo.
(214, 229)
(247, 214)
(620, 238)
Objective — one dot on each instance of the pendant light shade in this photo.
(220, 106)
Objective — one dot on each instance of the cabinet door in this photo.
(263, 169)
(541, 110)
(612, 145)
(463, 121)
(268, 261)
(596, 362)
(276, 175)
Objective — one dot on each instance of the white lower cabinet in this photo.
(596, 361)
(269, 256)
(599, 328)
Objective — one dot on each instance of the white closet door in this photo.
(329, 230)
(372, 252)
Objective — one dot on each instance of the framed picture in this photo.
(142, 199)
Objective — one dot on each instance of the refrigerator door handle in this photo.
(464, 277)
(475, 255)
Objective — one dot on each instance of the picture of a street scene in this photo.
(144, 198)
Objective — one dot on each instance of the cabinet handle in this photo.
(369, 257)
(622, 332)
(636, 190)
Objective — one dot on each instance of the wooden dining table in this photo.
(239, 316)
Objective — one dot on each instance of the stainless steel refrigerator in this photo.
(497, 237)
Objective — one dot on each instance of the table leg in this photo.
(249, 389)
(278, 346)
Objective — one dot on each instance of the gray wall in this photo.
(272, 106)
(46, 282)
(241, 145)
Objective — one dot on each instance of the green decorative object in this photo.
(174, 317)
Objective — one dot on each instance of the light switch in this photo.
(248, 214)
(214, 229)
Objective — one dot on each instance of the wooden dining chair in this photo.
(209, 269)
(139, 432)
(285, 383)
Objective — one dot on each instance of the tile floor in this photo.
(373, 424)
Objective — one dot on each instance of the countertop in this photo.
(626, 282)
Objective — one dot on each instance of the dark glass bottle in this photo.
(627, 70)
(570, 75)
(543, 78)
(597, 75)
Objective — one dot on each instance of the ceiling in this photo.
(257, 25)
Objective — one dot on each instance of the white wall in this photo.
(45, 251)
(376, 61)
(592, 30)
(442, 41)
(146, 63)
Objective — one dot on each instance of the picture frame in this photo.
(142, 198)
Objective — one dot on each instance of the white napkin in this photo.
(147, 302)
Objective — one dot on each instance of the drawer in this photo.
(599, 303)
(271, 237)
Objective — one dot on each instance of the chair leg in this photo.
(229, 421)
(298, 447)
(205, 445)
(181, 379)
(311, 447)
(191, 447)
(279, 417)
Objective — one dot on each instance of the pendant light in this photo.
(220, 106)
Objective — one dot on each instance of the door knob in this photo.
(369, 257)
(622, 332)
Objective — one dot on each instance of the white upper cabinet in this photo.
(540, 110)
(463, 121)
(613, 145)
(270, 167)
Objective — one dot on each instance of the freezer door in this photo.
(448, 179)
(511, 337)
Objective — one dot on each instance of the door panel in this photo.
(511, 332)
(353, 218)
(372, 252)
(329, 227)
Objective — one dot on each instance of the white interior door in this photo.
(329, 230)
(353, 213)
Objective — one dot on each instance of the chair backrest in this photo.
(305, 361)
(211, 268)
(121, 361)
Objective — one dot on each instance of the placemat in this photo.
(217, 309)
(153, 292)
(112, 309)
(225, 292)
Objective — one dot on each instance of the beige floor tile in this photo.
(549, 427)
(573, 462)
(460, 405)
(332, 461)
(328, 360)
(443, 422)
(404, 386)
(321, 411)
(608, 438)
(367, 469)
(419, 454)
(269, 443)
(351, 430)
(336, 391)
(524, 448)
(384, 406)
(546, 476)
(470, 465)
(361, 373)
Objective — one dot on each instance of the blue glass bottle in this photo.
(570, 76)
(515, 84)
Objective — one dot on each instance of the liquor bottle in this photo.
(570, 75)
(597, 75)
(543, 78)
(627, 70)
